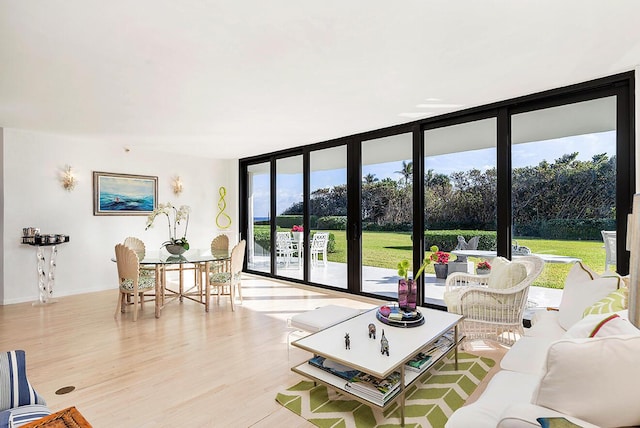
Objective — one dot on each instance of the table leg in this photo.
(46, 281)
(455, 345)
(180, 288)
(403, 398)
(159, 291)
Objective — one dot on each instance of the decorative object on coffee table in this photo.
(407, 288)
(397, 317)
(384, 344)
(372, 331)
(347, 341)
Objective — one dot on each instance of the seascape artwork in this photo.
(124, 194)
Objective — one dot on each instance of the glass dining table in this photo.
(201, 261)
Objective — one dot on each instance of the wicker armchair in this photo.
(493, 311)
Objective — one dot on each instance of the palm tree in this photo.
(406, 172)
(369, 179)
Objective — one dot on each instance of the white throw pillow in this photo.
(593, 379)
(583, 288)
(505, 274)
(601, 325)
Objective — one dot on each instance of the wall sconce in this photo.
(176, 185)
(68, 179)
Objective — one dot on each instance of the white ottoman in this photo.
(319, 319)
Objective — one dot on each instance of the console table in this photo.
(46, 278)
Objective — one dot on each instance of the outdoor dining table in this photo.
(201, 260)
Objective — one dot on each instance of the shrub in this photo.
(447, 240)
(337, 222)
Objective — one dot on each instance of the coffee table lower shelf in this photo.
(339, 384)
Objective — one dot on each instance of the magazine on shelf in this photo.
(373, 386)
(334, 368)
(418, 362)
(424, 359)
(377, 399)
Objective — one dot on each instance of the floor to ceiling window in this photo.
(289, 221)
(328, 216)
(258, 206)
(460, 197)
(387, 211)
(544, 173)
(564, 183)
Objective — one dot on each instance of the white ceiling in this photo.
(228, 79)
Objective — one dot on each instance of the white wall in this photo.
(33, 196)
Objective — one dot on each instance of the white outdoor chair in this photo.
(284, 247)
(493, 305)
(609, 238)
(319, 246)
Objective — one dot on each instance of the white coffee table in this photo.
(364, 353)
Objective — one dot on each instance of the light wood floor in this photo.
(187, 368)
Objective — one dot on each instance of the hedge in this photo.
(447, 240)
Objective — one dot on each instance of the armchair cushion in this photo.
(506, 274)
(583, 288)
(577, 370)
(22, 415)
(15, 389)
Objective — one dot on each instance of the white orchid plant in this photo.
(179, 215)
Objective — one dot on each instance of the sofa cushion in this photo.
(486, 411)
(505, 274)
(615, 301)
(545, 324)
(527, 355)
(583, 288)
(577, 370)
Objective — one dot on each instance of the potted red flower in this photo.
(483, 268)
(440, 259)
(296, 231)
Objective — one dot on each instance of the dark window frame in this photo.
(620, 85)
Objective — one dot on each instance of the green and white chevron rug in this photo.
(430, 401)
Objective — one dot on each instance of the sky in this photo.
(289, 186)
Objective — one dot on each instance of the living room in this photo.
(56, 91)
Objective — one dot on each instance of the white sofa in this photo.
(580, 363)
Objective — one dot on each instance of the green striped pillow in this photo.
(614, 302)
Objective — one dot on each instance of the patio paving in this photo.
(384, 282)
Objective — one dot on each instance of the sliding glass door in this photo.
(258, 207)
(387, 211)
(564, 183)
(328, 216)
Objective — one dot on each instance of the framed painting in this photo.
(124, 194)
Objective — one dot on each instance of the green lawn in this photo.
(385, 249)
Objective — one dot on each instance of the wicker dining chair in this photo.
(130, 281)
(493, 305)
(229, 282)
